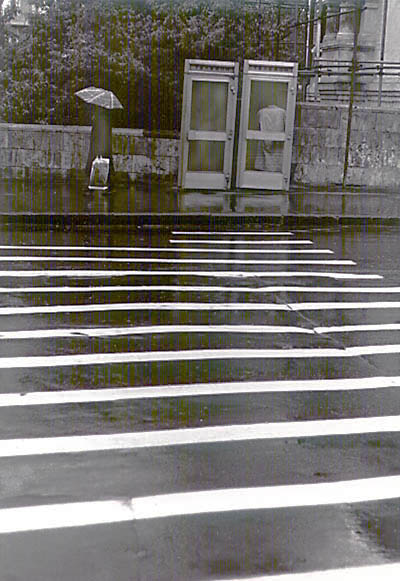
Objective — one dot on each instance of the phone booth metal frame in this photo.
(208, 124)
(266, 125)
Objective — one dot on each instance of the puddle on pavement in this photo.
(58, 196)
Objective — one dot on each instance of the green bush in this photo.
(135, 48)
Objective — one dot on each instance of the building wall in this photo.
(337, 47)
(392, 46)
(318, 150)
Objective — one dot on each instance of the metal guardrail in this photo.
(365, 72)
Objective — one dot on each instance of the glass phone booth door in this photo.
(266, 125)
(208, 123)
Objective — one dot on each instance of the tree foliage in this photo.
(136, 48)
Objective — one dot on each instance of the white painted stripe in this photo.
(331, 289)
(198, 288)
(154, 249)
(108, 249)
(358, 328)
(231, 233)
(117, 331)
(240, 242)
(192, 306)
(174, 249)
(105, 307)
(139, 260)
(237, 261)
(11, 448)
(197, 389)
(56, 516)
(152, 330)
(53, 516)
(342, 305)
(192, 355)
(78, 273)
(387, 572)
(244, 250)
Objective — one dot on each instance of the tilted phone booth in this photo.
(208, 123)
(266, 125)
(265, 135)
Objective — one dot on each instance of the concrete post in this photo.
(330, 33)
(345, 33)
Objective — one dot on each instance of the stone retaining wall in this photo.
(27, 150)
(318, 151)
(320, 143)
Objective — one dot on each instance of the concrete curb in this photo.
(72, 221)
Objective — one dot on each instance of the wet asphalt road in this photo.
(198, 348)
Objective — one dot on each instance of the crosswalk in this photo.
(175, 398)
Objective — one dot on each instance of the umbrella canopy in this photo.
(99, 97)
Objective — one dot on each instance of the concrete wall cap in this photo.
(66, 128)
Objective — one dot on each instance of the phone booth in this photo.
(208, 124)
(266, 125)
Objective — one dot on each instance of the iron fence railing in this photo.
(376, 81)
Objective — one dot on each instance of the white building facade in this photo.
(360, 38)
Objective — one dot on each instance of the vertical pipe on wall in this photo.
(356, 29)
(382, 50)
(310, 33)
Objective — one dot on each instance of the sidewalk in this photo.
(144, 203)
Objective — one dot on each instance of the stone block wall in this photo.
(318, 149)
(320, 144)
(28, 150)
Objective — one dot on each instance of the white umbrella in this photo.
(99, 97)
